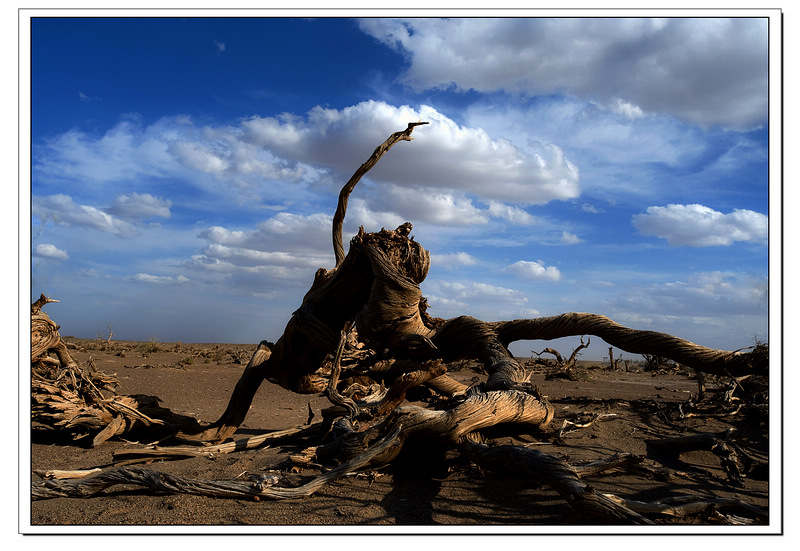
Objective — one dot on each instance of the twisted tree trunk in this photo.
(376, 287)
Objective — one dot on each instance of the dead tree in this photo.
(373, 294)
(564, 369)
(81, 404)
(376, 288)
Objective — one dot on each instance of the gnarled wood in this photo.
(701, 358)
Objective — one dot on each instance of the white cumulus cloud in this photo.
(511, 213)
(446, 156)
(709, 71)
(62, 210)
(441, 178)
(700, 226)
(479, 291)
(568, 238)
(524, 269)
(429, 205)
(158, 280)
(138, 206)
(453, 259)
(703, 294)
(48, 250)
(284, 231)
(124, 153)
(285, 249)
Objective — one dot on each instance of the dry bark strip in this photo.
(180, 452)
(257, 488)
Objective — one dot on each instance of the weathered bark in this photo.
(259, 487)
(480, 410)
(44, 335)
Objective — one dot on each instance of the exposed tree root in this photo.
(556, 473)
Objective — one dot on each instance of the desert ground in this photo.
(607, 412)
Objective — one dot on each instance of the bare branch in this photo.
(341, 208)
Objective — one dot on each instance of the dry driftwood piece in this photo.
(178, 452)
(258, 487)
(690, 505)
(365, 321)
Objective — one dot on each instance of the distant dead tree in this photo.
(652, 362)
(614, 363)
(564, 369)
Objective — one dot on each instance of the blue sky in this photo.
(184, 171)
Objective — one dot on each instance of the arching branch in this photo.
(344, 194)
(709, 360)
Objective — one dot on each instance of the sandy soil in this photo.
(197, 380)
